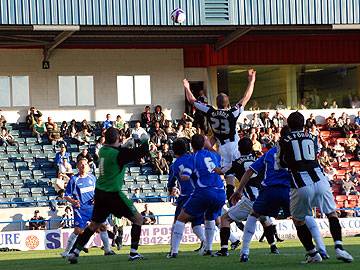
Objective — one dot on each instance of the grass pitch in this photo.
(291, 256)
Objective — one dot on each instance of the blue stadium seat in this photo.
(129, 179)
(24, 192)
(3, 156)
(165, 196)
(24, 149)
(42, 201)
(36, 191)
(48, 148)
(29, 202)
(8, 167)
(163, 178)
(21, 141)
(36, 149)
(146, 170)
(44, 182)
(13, 175)
(135, 170)
(5, 184)
(10, 193)
(153, 178)
(141, 179)
(31, 141)
(146, 187)
(28, 157)
(18, 183)
(4, 202)
(38, 173)
(11, 149)
(21, 166)
(49, 191)
(16, 202)
(26, 174)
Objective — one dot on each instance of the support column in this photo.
(212, 87)
(291, 86)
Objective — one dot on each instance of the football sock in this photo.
(135, 236)
(269, 234)
(315, 232)
(81, 240)
(89, 243)
(249, 231)
(229, 192)
(233, 237)
(305, 237)
(209, 233)
(335, 230)
(70, 242)
(177, 234)
(199, 232)
(105, 239)
(224, 237)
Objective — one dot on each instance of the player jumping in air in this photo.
(109, 199)
(309, 186)
(223, 122)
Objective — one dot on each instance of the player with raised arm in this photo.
(109, 199)
(80, 193)
(186, 187)
(309, 186)
(223, 122)
(208, 197)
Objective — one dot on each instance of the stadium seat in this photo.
(3, 156)
(146, 187)
(13, 175)
(44, 182)
(153, 178)
(42, 201)
(28, 157)
(49, 191)
(29, 201)
(135, 170)
(48, 148)
(4, 202)
(11, 149)
(8, 167)
(163, 178)
(341, 198)
(129, 179)
(36, 191)
(26, 174)
(21, 166)
(38, 173)
(24, 149)
(141, 179)
(24, 192)
(31, 141)
(10, 193)
(18, 183)
(5, 184)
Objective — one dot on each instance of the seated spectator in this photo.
(314, 131)
(325, 105)
(347, 186)
(107, 123)
(67, 221)
(180, 131)
(257, 148)
(256, 122)
(61, 155)
(354, 176)
(278, 120)
(2, 120)
(160, 164)
(39, 130)
(85, 154)
(149, 217)
(185, 118)
(268, 138)
(168, 128)
(119, 123)
(310, 121)
(49, 124)
(64, 129)
(83, 136)
(245, 124)
(330, 172)
(331, 122)
(334, 105)
(146, 118)
(126, 131)
(342, 119)
(84, 124)
(266, 121)
(355, 103)
(357, 121)
(99, 144)
(280, 105)
(158, 136)
(325, 160)
(37, 222)
(73, 129)
(54, 135)
(60, 183)
(6, 138)
(189, 130)
(159, 116)
(347, 128)
(60, 200)
(65, 169)
(136, 197)
(339, 152)
(138, 131)
(254, 106)
(167, 154)
(350, 143)
(32, 117)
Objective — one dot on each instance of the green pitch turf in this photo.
(291, 256)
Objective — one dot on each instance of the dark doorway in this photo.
(195, 89)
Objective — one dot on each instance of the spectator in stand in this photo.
(149, 217)
(136, 197)
(37, 222)
(280, 105)
(325, 104)
(303, 105)
(314, 131)
(39, 130)
(170, 131)
(85, 154)
(61, 155)
(339, 152)
(64, 129)
(245, 125)
(189, 130)
(73, 129)
(330, 172)
(107, 123)
(350, 143)
(254, 106)
(334, 105)
(158, 135)
(60, 183)
(268, 138)
(267, 121)
(347, 128)
(256, 122)
(347, 186)
(158, 116)
(167, 154)
(278, 120)
(180, 131)
(331, 121)
(32, 117)
(342, 119)
(100, 143)
(49, 124)
(119, 123)
(67, 221)
(257, 148)
(325, 160)
(185, 118)
(2, 120)
(160, 164)
(6, 138)
(354, 176)
(84, 124)
(138, 131)
(65, 169)
(310, 121)
(55, 135)
(357, 121)
(146, 118)
(126, 131)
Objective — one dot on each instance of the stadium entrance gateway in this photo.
(109, 58)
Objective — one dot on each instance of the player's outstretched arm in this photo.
(250, 88)
(244, 180)
(189, 95)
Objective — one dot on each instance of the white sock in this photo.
(70, 242)
(233, 238)
(315, 232)
(89, 243)
(199, 232)
(105, 239)
(210, 229)
(177, 234)
(249, 231)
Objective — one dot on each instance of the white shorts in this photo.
(240, 211)
(317, 194)
(228, 152)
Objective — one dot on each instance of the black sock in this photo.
(240, 225)
(135, 236)
(229, 192)
(224, 236)
(269, 234)
(305, 237)
(275, 232)
(335, 229)
(82, 240)
(262, 237)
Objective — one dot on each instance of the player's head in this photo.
(197, 142)
(179, 147)
(222, 101)
(83, 166)
(296, 121)
(245, 146)
(112, 135)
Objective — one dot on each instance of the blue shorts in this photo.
(207, 202)
(195, 221)
(271, 200)
(82, 217)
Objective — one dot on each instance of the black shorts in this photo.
(116, 203)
